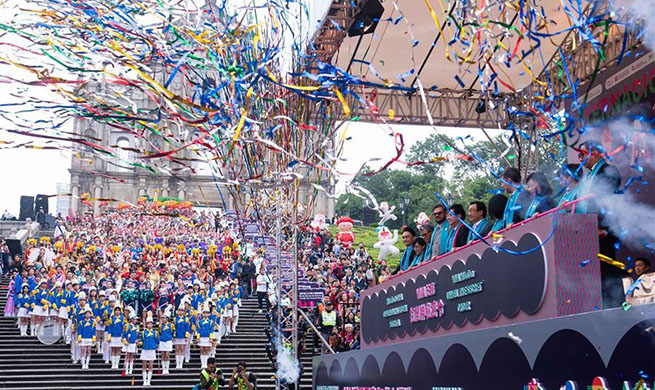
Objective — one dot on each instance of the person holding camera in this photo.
(242, 379)
(210, 376)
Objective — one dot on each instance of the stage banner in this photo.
(542, 268)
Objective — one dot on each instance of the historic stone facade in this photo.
(115, 178)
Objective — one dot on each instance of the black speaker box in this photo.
(26, 207)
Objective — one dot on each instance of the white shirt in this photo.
(258, 260)
(262, 280)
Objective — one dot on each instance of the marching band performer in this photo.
(39, 305)
(129, 338)
(24, 305)
(235, 294)
(216, 317)
(77, 316)
(149, 343)
(114, 336)
(182, 330)
(87, 336)
(58, 309)
(166, 339)
(206, 327)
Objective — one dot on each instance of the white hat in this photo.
(75, 281)
(112, 298)
(24, 285)
(87, 309)
(43, 281)
(131, 313)
(205, 307)
(82, 295)
(149, 317)
(168, 310)
(58, 285)
(102, 293)
(92, 288)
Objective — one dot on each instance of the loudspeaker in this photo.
(367, 19)
(14, 247)
(41, 201)
(26, 207)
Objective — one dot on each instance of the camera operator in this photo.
(243, 379)
(211, 377)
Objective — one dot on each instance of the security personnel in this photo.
(328, 320)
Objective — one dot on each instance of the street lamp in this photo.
(404, 202)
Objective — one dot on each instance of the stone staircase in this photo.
(26, 364)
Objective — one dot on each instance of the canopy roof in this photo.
(452, 53)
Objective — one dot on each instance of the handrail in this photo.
(320, 336)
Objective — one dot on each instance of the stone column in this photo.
(97, 193)
(75, 190)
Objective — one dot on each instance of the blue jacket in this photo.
(149, 339)
(18, 284)
(24, 301)
(166, 332)
(206, 327)
(130, 333)
(115, 328)
(87, 329)
(182, 327)
(72, 297)
(77, 315)
(40, 297)
(197, 299)
(57, 299)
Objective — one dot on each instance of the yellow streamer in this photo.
(436, 21)
(344, 104)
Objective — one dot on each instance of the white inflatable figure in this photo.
(386, 242)
(422, 219)
(319, 223)
(386, 213)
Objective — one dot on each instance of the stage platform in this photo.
(520, 312)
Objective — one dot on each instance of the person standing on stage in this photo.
(603, 180)
(517, 202)
(496, 208)
(537, 186)
(570, 177)
(477, 214)
(439, 239)
(457, 232)
(408, 237)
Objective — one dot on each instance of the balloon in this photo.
(386, 213)
(386, 242)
